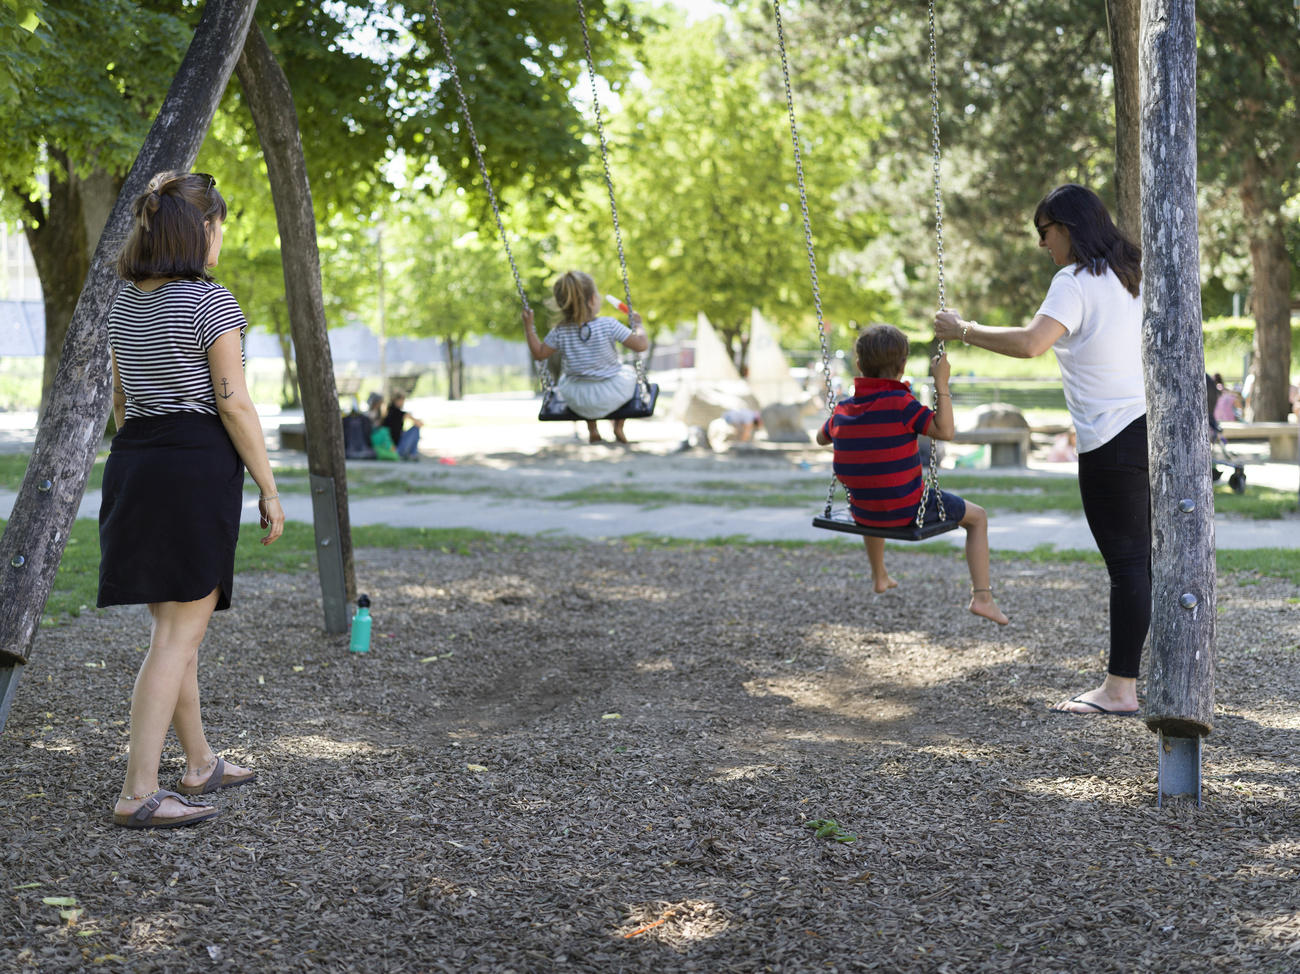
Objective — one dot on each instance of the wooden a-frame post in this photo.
(270, 101)
(1180, 682)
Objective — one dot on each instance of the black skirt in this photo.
(169, 519)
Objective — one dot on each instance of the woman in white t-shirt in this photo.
(1092, 319)
(593, 382)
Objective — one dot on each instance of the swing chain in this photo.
(642, 382)
(807, 232)
(932, 479)
(542, 371)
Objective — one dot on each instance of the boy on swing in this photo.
(874, 433)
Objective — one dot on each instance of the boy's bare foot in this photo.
(883, 583)
(982, 604)
(620, 437)
(595, 438)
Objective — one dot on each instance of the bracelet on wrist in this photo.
(965, 328)
(267, 497)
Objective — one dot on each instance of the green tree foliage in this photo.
(708, 199)
(1024, 99)
(1248, 93)
(445, 278)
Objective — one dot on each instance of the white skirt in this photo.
(597, 398)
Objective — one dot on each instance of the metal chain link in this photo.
(542, 372)
(642, 381)
(807, 232)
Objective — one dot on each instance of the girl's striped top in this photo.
(874, 435)
(588, 350)
(160, 341)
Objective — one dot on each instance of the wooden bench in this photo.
(293, 436)
(1010, 446)
(1283, 438)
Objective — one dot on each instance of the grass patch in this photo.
(14, 465)
(1259, 503)
(77, 581)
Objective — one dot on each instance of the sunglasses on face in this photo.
(1042, 229)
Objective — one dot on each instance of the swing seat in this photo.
(841, 520)
(640, 406)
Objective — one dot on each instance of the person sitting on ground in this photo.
(406, 439)
(744, 422)
(593, 382)
(874, 433)
(375, 409)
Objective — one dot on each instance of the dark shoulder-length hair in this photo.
(173, 228)
(1095, 242)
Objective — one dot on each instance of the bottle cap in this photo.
(363, 602)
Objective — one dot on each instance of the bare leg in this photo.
(178, 628)
(976, 524)
(1116, 693)
(618, 431)
(880, 579)
(187, 722)
(593, 434)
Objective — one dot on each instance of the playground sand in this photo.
(593, 756)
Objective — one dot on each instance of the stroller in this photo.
(1220, 456)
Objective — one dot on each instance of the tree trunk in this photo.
(72, 429)
(289, 395)
(270, 101)
(62, 240)
(455, 372)
(1180, 686)
(1123, 19)
(1271, 273)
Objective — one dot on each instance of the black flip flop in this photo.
(1100, 711)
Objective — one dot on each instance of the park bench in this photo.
(1283, 438)
(1010, 447)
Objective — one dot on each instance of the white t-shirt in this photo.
(1101, 354)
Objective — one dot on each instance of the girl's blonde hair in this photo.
(573, 292)
(173, 228)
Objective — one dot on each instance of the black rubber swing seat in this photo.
(841, 520)
(640, 406)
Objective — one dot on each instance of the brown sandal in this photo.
(144, 816)
(216, 781)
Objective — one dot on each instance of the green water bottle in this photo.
(361, 626)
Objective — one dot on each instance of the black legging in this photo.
(1116, 492)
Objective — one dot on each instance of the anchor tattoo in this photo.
(223, 394)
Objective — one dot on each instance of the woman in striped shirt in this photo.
(173, 483)
(594, 383)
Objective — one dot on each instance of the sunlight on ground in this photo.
(819, 697)
(674, 924)
(317, 747)
(744, 772)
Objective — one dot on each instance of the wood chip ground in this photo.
(591, 757)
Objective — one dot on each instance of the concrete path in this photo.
(496, 452)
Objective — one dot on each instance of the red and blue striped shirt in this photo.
(874, 437)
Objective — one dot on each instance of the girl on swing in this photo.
(593, 382)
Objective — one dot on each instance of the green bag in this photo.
(382, 441)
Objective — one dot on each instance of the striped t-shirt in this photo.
(588, 351)
(874, 436)
(160, 341)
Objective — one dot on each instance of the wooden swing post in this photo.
(1180, 684)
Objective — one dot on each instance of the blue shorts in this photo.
(954, 508)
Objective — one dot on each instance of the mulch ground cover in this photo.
(594, 757)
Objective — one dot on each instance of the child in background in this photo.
(874, 435)
(593, 382)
